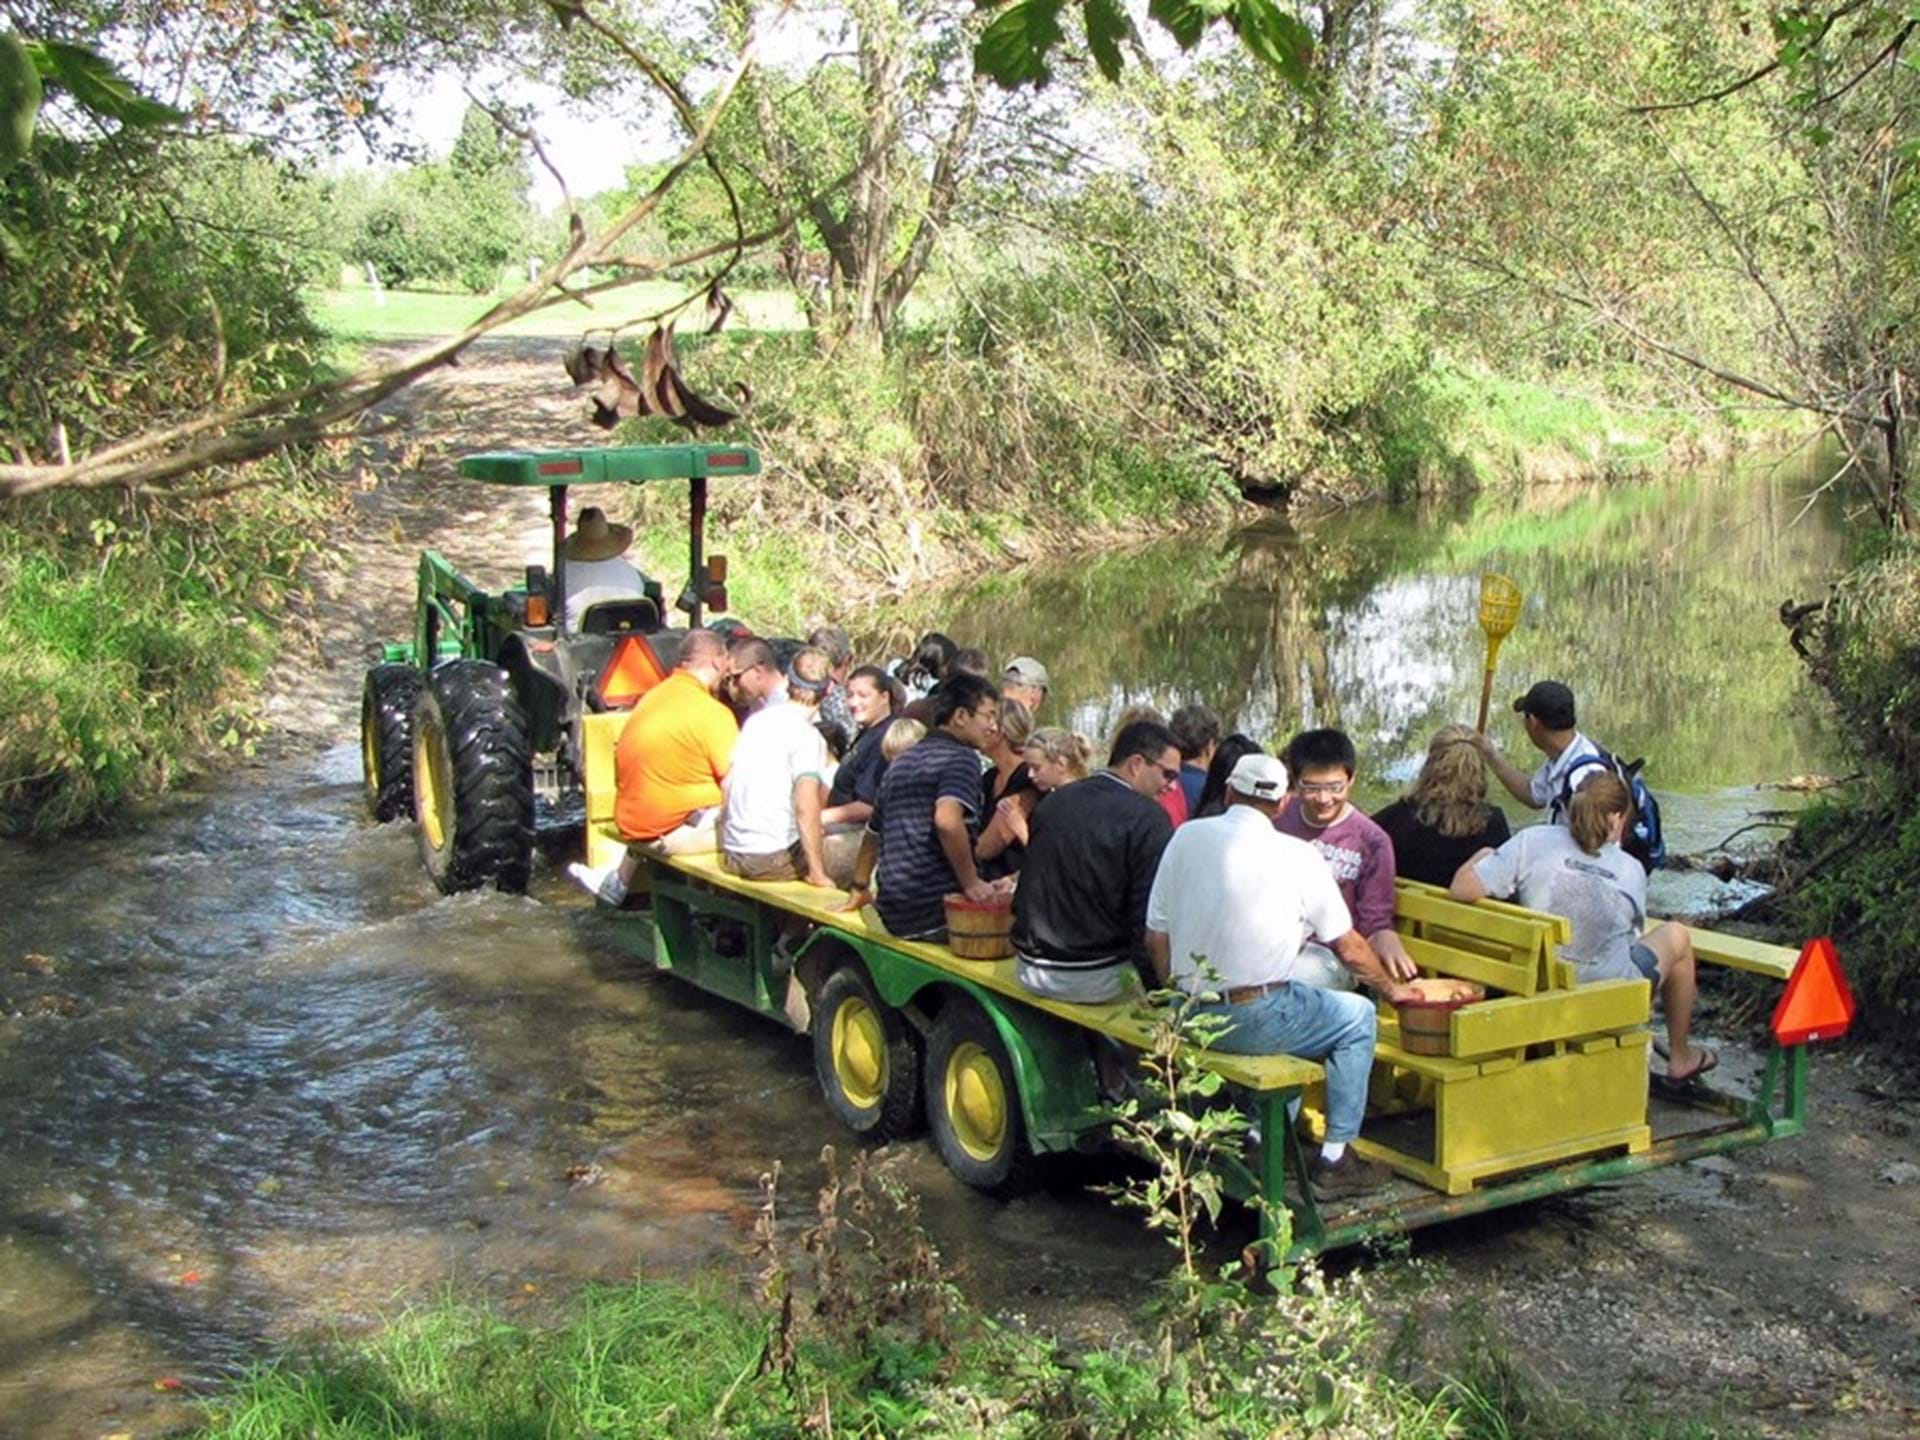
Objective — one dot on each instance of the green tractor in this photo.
(478, 718)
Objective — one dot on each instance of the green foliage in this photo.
(1867, 656)
(1864, 890)
(1860, 857)
(148, 296)
(881, 465)
(1015, 47)
(130, 637)
(1248, 276)
(131, 629)
(461, 221)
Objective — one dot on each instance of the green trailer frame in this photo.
(724, 935)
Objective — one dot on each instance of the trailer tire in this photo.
(472, 779)
(386, 739)
(973, 1101)
(863, 1053)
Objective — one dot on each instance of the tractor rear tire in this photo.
(386, 739)
(472, 779)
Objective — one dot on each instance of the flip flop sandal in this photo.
(1704, 1067)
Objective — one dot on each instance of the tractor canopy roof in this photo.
(613, 464)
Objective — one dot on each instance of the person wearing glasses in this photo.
(1358, 851)
(1080, 912)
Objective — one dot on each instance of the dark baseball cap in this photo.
(1550, 702)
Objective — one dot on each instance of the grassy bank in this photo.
(664, 1360)
(359, 313)
(133, 636)
(1463, 428)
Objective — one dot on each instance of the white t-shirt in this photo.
(591, 581)
(1237, 894)
(1604, 895)
(777, 746)
(1546, 782)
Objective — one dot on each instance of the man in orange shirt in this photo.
(673, 753)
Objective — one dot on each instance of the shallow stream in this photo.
(260, 1080)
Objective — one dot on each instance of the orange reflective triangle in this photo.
(1817, 1005)
(631, 671)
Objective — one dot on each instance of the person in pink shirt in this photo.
(1357, 851)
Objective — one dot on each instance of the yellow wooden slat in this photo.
(1490, 921)
(1737, 952)
(1497, 975)
(1518, 1021)
(601, 736)
(1558, 1103)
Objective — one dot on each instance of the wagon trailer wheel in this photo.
(864, 1054)
(973, 1101)
(472, 778)
(386, 739)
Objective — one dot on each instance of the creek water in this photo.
(260, 1080)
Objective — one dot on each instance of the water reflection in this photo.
(1656, 602)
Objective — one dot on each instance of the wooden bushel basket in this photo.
(980, 930)
(1426, 1023)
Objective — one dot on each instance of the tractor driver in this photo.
(596, 568)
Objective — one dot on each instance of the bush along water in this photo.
(1853, 863)
(133, 626)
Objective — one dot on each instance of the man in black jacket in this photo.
(1079, 915)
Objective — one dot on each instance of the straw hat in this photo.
(595, 539)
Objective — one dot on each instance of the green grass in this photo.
(666, 1360)
(358, 314)
(1456, 426)
(126, 651)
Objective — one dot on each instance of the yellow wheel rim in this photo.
(434, 784)
(859, 1053)
(976, 1101)
(369, 751)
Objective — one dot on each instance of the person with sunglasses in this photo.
(1080, 912)
(1358, 851)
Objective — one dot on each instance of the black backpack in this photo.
(1644, 840)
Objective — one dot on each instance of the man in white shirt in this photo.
(1232, 904)
(776, 786)
(596, 568)
(1547, 712)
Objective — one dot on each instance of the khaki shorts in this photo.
(787, 864)
(699, 836)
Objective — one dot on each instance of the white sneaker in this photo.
(604, 883)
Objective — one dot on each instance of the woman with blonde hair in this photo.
(1054, 757)
(1579, 870)
(1444, 819)
(1006, 776)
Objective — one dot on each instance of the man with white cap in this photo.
(1232, 904)
(1025, 679)
(597, 569)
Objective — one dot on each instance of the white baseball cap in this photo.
(1025, 670)
(1260, 776)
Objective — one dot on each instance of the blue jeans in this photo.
(1334, 1027)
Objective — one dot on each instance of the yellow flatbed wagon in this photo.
(1546, 1089)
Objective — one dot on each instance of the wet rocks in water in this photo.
(51, 1003)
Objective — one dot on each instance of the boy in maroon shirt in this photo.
(1359, 853)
